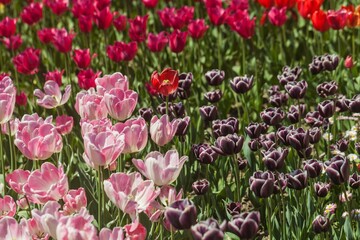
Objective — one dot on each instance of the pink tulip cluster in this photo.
(7, 99)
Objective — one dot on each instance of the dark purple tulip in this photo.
(272, 116)
(242, 163)
(315, 135)
(326, 108)
(208, 230)
(342, 103)
(295, 113)
(338, 169)
(233, 208)
(298, 139)
(215, 77)
(161, 108)
(208, 113)
(204, 153)
(313, 168)
(283, 132)
(178, 109)
(316, 66)
(213, 96)
(321, 224)
(225, 126)
(170, 97)
(267, 143)
(289, 75)
(342, 145)
(146, 113)
(274, 89)
(254, 144)
(183, 126)
(280, 183)
(354, 104)
(297, 179)
(184, 86)
(314, 119)
(274, 159)
(245, 225)
(181, 214)
(242, 84)
(255, 129)
(200, 187)
(262, 183)
(354, 181)
(270, 136)
(329, 62)
(228, 145)
(278, 99)
(296, 90)
(357, 147)
(321, 189)
(326, 89)
(304, 153)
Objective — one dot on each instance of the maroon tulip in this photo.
(137, 30)
(46, 35)
(326, 89)
(297, 179)
(228, 145)
(82, 58)
(289, 75)
(262, 183)
(58, 7)
(245, 225)
(121, 51)
(242, 24)
(253, 130)
(21, 99)
(7, 27)
(177, 41)
(197, 28)
(32, 13)
(326, 108)
(277, 16)
(272, 116)
(225, 126)
(321, 189)
(296, 90)
(274, 159)
(200, 187)
(208, 230)
(215, 77)
(103, 18)
(321, 224)
(83, 7)
(181, 214)
(213, 96)
(338, 169)
(337, 19)
(233, 208)
(217, 15)
(62, 40)
(28, 61)
(55, 75)
(156, 43)
(13, 42)
(242, 84)
(86, 78)
(120, 22)
(313, 168)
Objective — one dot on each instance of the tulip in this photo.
(215, 77)
(13, 42)
(208, 230)
(102, 148)
(277, 16)
(120, 104)
(7, 206)
(307, 7)
(321, 189)
(83, 7)
(354, 104)
(137, 30)
(272, 116)
(326, 108)
(177, 41)
(82, 58)
(27, 62)
(313, 168)
(62, 40)
(32, 13)
(274, 159)
(7, 27)
(349, 63)
(7, 99)
(103, 18)
(108, 82)
(200, 187)
(86, 78)
(217, 15)
(135, 231)
(115, 234)
(242, 84)
(74, 200)
(85, 23)
(58, 7)
(36, 138)
(208, 113)
(254, 130)
(224, 127)
(55, 188)
(242, 24)
(12, 230)
(214, 96)
(314, 119)
(135, 132)
(298, 139)
(296, 90)
(55, 75)
(315, 135)
(165, 15)
(320, 21)
(130, 192)
(338, 170)
(120, 22)
(233, 208)
(297, 179)
(90, 105)
(44, 221)
(17, 180)
(204, 153)
(156, 43)
(121, 51)
(150, 3)
(181, 214)
(197, 28)
(289, 75)
(326, 89)
(245, 225)
(51, 97)
(337, 19)
(262, 184)
(64, 124)
(321, 224)
(166, 82)
(162, 170)
(46, 35)
(228, 145)
(146, 113)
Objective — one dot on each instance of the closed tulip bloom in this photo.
(296, 90)
(217, 15)
(228, 145)
(162, 130)
(52, 97)
(157, 42)
(58, 7)
(313, 168)
(200, 187)
(7, 27)
(17, 179)
(215, 77)
(233, 208)
(272, 116)
(225, 127)
(337, 19)
(321, 189)
(7, 206)
(85, 23)
(197, 28)
(137, 30)
(74, 200)
(338, 170)
(354, 181)
(165, 82)
(121, 51)
(297, 179)
(96, 125)
(289, 75)
(102, 148)
(86, 78)
(107, 82)
(321, 224)
(130, 192)
(146, 113)
(314, 119)
(349, 63)
(120, 22)
(245, 225)
(49, 183)
(307, 7)
(161, 169)
(277, 16)
(214, 96)
(13, 42)
(298, 139)
(204, 153)
(7, 99)
(116, 234)
(354, 104)
(27, 62)
(326, 89)
(90, 105)
(103, 18)
(183, 127)
(274, 159)
(11, 229)
(242, 84)
(242, 24)
(320, 21)
(150, 3)
(64, 124)
(262, 184)
(177, 41)
(326, 108)
(208, 113)
(181, 214)
(36, 138)
(46, 35)
(62, 40)
(208, 230)
(120, 104)
(82, 57)
(136, 134)
(32, 13)
(55, 75)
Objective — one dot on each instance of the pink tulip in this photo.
(22, 203)
(102, 148)
(162, 130)
(115, 234)
(44, 221)
(74, 201)
(135, 231)
(90, 105)
(17, 179)
(64, 124)
(163, 170)
(136, 134)
(7, 206)
(277, 16)
(46, 184)
(7, 99)
(36, 138)
(52, 97)
(120, 104)
(108, 82)
(10, 229)
(13, 127)
(97, 125)
(130, 192)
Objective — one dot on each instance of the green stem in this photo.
(12, 160)
(100, 201)
(237, 180)
(219, 47)
(2, 159)
(243, 54)
(283, 207)
(268, 216)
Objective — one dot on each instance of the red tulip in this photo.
(319, 21)
(13, 42)
(165, 16)
(101, 4)
(121, 51)
(58, 7)
(86, 78)
(150, 3)
(62, 40)
(213, 3)
(32, 13)
(277, 16)
(46, 35)
(83, 7)
(337, 19)
(217, 15)
(285, 3)
(307, 7)
(28, 61)
(241, 23)
(120, 22)
(182, 17)
(137, 30)
(7, 27)
(266, 3)
(349, 63)
(21, 99)
(166, 82)
(82, 57)
(197, 28)
(55, 75)
(85, 23)
(156, 43)
(239, 4)
(103, 18)
(177, 41)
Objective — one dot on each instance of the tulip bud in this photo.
(321, 224)
(242, 163)
(242, 84)
(208, 230)
(354, 181)
(228, 145)
(200, 187)
(321, 189)
(181, 214)
(348, 63)
(262, 183)
(296, 90)
(245, 225)
(214, 96)
(215, 77)
(338, 169)
(313, 168)
(297, 179)
(146, 113)
(233, 208)
(225, 127)
(204, 153)
(274, 158)
(208, 113)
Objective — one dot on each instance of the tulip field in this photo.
(179, 119)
